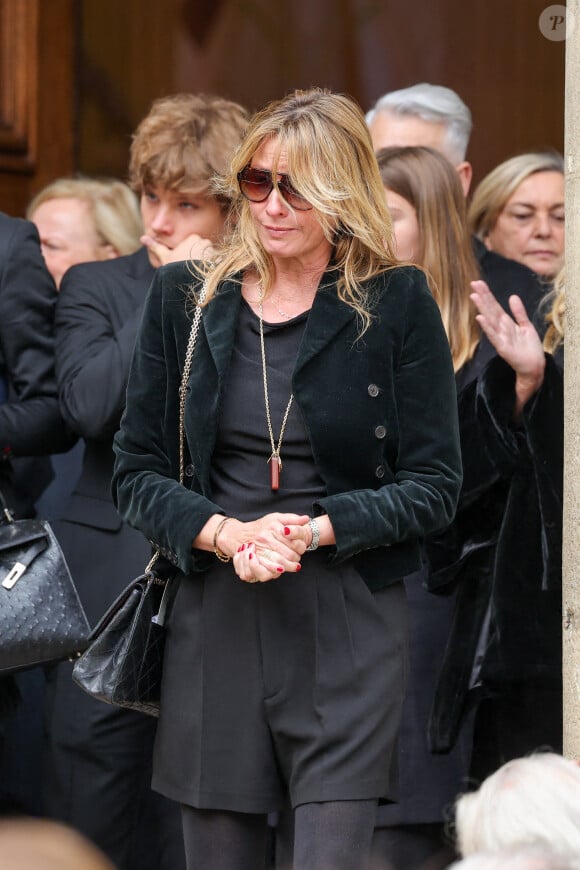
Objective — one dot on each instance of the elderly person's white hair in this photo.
(435, 104)
(532, 801)
(515, 859)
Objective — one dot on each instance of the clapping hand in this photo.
(514, 338)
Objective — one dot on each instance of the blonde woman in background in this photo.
(80, 220)
(518, 211)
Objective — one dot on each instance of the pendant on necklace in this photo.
(274, 460)
(275, 466)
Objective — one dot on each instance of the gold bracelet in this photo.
(220, 553)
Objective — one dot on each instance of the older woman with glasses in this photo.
(321, 445)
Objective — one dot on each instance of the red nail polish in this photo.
(286, 530)
(250, 556)
(299, 567)
(243, 547)
(279, 570)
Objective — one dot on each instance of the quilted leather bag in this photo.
(41, 617)
(124, 661)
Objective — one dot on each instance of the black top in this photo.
(240, 461)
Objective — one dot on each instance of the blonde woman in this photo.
(80, 220)
(321, 434)
(518, 211)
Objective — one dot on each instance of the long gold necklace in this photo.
(274, 460)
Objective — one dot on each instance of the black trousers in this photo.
(21, 744)
(97, 778)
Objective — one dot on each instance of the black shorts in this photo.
(294, 686)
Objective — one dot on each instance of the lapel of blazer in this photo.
(328, 316)
(219, 320)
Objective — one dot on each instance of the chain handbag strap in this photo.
(185, 378)
(196, 323)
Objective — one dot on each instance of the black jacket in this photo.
(30, 420)
(380, 412)
(503, 552)
(98, 314)
(494, 556)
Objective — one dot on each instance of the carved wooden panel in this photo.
(18, 84)
(38, 68)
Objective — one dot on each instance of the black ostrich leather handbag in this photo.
(124, 661)
(41, 617)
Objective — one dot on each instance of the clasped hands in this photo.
(267, 547)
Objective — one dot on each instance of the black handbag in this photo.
(124, 661)
(41, 617)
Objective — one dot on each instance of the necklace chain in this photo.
(275, 455)
(280, 312)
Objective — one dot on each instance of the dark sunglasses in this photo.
(257, 185)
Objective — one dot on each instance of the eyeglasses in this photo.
(257, 185)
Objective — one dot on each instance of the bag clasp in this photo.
(13, 575)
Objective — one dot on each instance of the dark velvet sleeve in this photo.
(493, 450)
(145, 488)
(427, 476)
(30, 421)
(540, 439)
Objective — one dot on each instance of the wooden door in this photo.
(37, 97)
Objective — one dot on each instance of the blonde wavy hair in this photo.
(428, 181)
(331, 162)
(112, 205)
(493, 192)
(556, 316)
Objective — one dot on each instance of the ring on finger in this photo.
(252, 580)
(267, 554)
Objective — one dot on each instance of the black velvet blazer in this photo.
(381, 414)
(503, 553)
